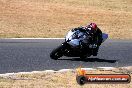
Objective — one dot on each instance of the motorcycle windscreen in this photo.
(69, 35)
(104, 36)
(74, 42)
(75, 38)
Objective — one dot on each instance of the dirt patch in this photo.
(66, 79)
(53, 18)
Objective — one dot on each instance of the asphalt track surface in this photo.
(26, 55)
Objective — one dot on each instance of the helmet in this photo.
(93, 26)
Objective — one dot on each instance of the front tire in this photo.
(57, 53)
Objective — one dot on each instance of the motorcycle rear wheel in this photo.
(85, 56)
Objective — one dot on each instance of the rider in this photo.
(97, 35)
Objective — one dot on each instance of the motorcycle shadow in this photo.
(91, 60)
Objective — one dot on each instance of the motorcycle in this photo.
(74, 45)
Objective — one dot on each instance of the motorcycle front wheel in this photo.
(57, 52)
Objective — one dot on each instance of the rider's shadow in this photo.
(91, 60)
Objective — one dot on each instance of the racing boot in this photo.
(95, 51)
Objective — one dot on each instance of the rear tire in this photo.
(83, 57)
(57, 53)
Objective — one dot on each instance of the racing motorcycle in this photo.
(74, 43)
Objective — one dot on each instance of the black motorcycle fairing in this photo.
(76, 52)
